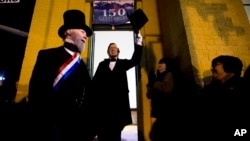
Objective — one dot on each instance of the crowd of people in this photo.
(64, 103)
(217, 111)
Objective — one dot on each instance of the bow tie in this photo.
(112, 60)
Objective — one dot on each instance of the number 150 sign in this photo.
(112, 12)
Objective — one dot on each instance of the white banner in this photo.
(113, 12)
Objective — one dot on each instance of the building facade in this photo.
(192, 32)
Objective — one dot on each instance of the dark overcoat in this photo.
(57, 114)
(111, 91)
(226, 106)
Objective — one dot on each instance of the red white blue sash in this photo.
(66, 69)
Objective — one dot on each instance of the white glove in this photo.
(138, 39)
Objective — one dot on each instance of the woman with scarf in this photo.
(160, 89)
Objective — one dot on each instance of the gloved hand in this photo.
(138, 39)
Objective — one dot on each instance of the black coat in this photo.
(226, 106)
(111, 91)
(51, 109)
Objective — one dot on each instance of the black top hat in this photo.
(137, 19)
(74, 19)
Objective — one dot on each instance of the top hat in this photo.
(137, 19)
(74, 19)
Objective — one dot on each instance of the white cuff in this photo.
(138, 39)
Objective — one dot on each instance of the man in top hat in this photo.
(110, 90)
(110, 87)
(59, 86)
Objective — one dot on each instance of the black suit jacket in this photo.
(111, 91)
(41, 95)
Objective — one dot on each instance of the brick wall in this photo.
(215, 27)
(195, 31)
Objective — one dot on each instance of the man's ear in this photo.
(68, 32)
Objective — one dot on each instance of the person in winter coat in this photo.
(160, 90)
(225, 100)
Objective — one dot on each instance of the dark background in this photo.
(12, 46)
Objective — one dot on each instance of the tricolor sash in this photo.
(66, 69)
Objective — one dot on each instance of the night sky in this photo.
(12, 46)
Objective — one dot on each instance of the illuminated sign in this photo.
(113, 12)
(9, 1)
